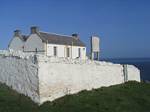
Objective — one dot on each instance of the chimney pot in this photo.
(17, 33)
(75, 35)
(34, 29)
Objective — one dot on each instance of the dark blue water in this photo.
(142, 63)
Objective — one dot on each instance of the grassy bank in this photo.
(129, 97)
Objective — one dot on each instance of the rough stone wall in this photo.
(133, 73)
(20, 74)
(58, 77)
(16, 43)
(45, 78)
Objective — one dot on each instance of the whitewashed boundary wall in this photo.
(48, 78)
(21, 75)
(58, 77)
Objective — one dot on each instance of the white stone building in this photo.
(18, 41)
(49, 44)
(47, 78)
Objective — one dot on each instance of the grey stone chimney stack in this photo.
(17, 33)
(75, 35)
(34, 29)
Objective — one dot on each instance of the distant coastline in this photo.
(125, 59)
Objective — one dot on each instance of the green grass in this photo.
(128, 97)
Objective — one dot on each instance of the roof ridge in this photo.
(24, 35)
(56, 34)
(59, 39)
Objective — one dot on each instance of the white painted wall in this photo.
(61, 51)
(33, 42)
(53, 77)
(20, 74)
(135, 73)
(16, 44)
(75, 52)
(58, 77)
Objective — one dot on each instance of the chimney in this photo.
(17, 33)
(75, 35)
(34, 29)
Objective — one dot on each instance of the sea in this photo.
(141, 63)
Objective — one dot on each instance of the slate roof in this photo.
(60, 39)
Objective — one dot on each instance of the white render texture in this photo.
(61, 51)
(135, 73)
(20, 74)
(16, 44)
(34, 42)
(48, 78)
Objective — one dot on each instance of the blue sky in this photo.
(123, 25)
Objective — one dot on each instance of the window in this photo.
(68, 52)
(36, 50)
(55, 51)
(79, 52)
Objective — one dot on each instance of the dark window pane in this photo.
(79, 52)
(68, 53)
(55, 51)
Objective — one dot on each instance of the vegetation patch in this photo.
(128, 97)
